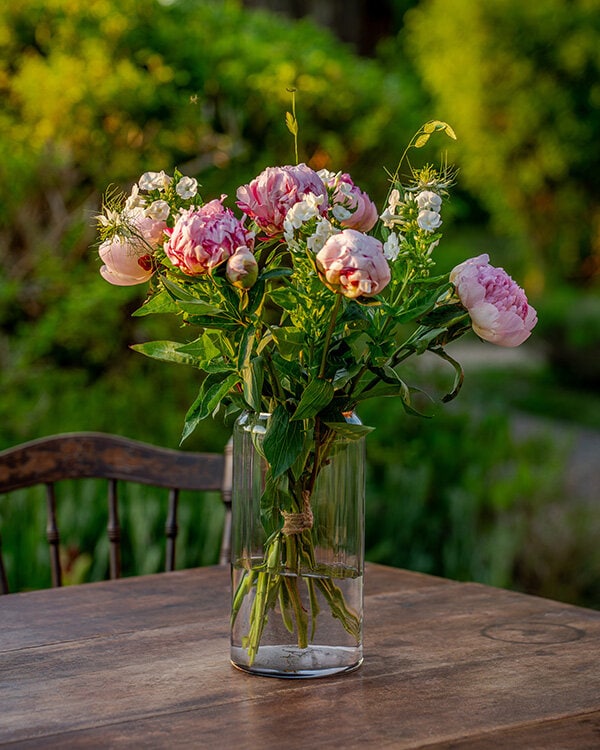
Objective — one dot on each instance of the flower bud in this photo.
(242, 268)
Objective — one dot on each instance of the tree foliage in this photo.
(522, 89)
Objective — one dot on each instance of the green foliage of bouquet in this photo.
(302, 309)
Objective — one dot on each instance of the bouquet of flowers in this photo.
(303, 306)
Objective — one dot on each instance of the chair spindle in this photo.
(171, 530)
(114, 529)
(52, 535)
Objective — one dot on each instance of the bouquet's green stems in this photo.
(314, 606)
(291, 583)
(335, 598)
(267, 588)
(244, 588)
(286, 609)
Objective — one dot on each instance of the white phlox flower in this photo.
(187, 187)
(329, 178)
(391, 247)
(324, 231)
(429, 200)
(135, 200)
(340, 212)
(389, 216)
(300, 213)
(428, 220)
(154, 181)
(158, 210)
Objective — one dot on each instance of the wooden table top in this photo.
(144, 662)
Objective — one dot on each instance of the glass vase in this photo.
(298, 553)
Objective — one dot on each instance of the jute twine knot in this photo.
(296, 523)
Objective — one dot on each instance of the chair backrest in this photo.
(80, 455)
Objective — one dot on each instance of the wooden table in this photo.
(143, 662)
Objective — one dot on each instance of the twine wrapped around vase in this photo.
(296, 523)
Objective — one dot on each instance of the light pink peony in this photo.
(497, 305)
(149, 229)
(126, 262)
(353, 201)
(353, 264)
(205, 237)
(268, 198)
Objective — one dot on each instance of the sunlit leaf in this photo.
(283, 441)
(317, 394)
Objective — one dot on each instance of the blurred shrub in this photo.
(461, 496)
(520, 83)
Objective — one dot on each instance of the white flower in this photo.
(429, 200)
(324, 231)
(135, 200)
(329, 178)
(299, 213)
(389, 217)
(429, 220)
(340, 212)
(154, 181)
(158, 210)
(391, 247)
(187, 187)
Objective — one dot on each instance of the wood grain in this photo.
(144, 662)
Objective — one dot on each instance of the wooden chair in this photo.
(97, 455)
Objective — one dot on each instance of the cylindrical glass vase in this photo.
(298, 553)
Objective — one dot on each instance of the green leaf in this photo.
(245, 348)
(203, 350)
(162, 302)
(167, 351)
(252, 382)
(317, 394)
(289, 342)
(458, 373)
(212, 391)
(276, 273)
(291, 123)
(188, 302)
(283, 441)
(350, 431)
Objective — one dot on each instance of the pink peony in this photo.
(205, 237)
(353, 264)
(497, 305)
(268, 198)
(357, 210)
(126, 262)
(150, 230)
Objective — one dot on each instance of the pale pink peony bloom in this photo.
(126, 263)
(205, 237)
(353, 264)
(269, 197)
(147, 229)
(242, 268)
(497, 305)
(358, 210)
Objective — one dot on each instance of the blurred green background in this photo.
(501, 487)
